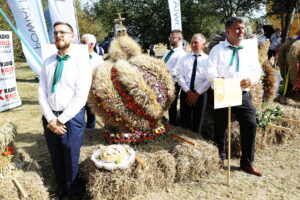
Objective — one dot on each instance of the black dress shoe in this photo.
(251, 170)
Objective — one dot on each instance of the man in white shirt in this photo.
(171, 57)
(232, 59)
(275, 41)
(63, 90)
(95, 61)
(192, 80)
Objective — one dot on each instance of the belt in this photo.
(57, 113)
(244, 92)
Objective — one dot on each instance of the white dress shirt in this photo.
(184, 68)
(171, 63)
(219, 63)
(96, 60)
(71, 91)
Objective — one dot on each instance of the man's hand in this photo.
(192, 97)
(246, 83)
(56, 127)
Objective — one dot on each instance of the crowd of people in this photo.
(66, 79)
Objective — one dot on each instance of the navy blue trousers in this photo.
(245, 114)
(173, 107)
(191, 117)
(90, 117)
(64, 151)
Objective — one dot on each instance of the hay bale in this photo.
(7, 133)
(168, 160)
(125, 184)
(288, 57)
(36, 191)
(194, 163)
(266, 137)
(268, 82)
(293, 59)
(5, 166)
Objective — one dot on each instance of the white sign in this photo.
(227, 92)
(175, 12)
(30, 21)
(9, 97)
(64, 11)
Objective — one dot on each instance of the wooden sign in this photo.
(227, 92)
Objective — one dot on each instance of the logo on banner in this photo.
(1, 97)
(8, 93)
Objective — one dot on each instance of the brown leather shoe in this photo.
(251, 170)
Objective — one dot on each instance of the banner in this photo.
(30, 21)
(64, 11)
(9, 97)
(175, 12)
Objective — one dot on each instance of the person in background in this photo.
(62, 93)
(275, 41)
(95, 61)
(232, 59)
(192, 80)
(171, 58)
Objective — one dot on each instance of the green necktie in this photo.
(58, 71)
(91, 56)
(235, 51)
(169, 55)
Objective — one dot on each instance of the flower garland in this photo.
(134, 135)
(129, 102)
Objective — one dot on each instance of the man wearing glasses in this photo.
(171, 57)
(63, 90)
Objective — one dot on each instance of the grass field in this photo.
(279, 163)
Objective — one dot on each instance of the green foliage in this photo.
(4, 26)
(242, 8)
(89, 24)
(149, 20)
(267, 116)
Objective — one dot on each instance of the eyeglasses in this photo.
(173, 38)
(62, 33)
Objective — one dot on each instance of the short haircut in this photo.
(177, 31)
(199, 35)
(91, 38)
(232, 20)
(63, 23)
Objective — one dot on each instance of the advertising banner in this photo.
(64, 11)
(30, 21)
(9, 97)
(175, 12)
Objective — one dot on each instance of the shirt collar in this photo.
(177, 48)
(226, 43)
(201, 54)
(70, 53)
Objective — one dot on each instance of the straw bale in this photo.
(288, 56)
(168, 160)
(195, 163)
(31, 182)
(268, 82)
(124, 184)
(265, 137)
(5, 166)
(293, 58)
(263, 49)
(7, 133)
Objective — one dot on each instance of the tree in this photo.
(4, 26)
(149, 20)
(285, 11)
(229, 8)
(88, 23)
